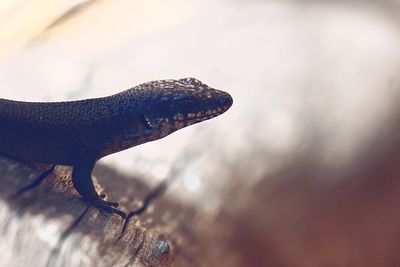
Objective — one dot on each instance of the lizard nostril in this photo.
(225, 100)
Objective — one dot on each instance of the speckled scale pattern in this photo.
(78, 133)
(59, 113)
(62, 132)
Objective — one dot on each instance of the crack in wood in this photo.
(54, 252)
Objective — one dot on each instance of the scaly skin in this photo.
(78, 133)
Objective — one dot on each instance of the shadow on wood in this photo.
(56, 203)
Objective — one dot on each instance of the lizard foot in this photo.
(82, 181)
(101, 205)
(108, 203)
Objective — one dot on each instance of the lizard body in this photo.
(78, 133)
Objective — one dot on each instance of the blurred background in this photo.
(301, 171)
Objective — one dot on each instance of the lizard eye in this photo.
(146, 122)
(188, 104)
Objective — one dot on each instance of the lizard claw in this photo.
(108, 203)
(108, 208)
(111, 203)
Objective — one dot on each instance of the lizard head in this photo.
(174, 104)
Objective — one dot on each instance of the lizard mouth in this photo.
(192, 118)
(221, 104)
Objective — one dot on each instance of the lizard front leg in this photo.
(83, 183)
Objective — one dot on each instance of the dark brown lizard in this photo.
(78, 133)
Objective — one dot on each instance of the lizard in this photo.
(79, 133)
